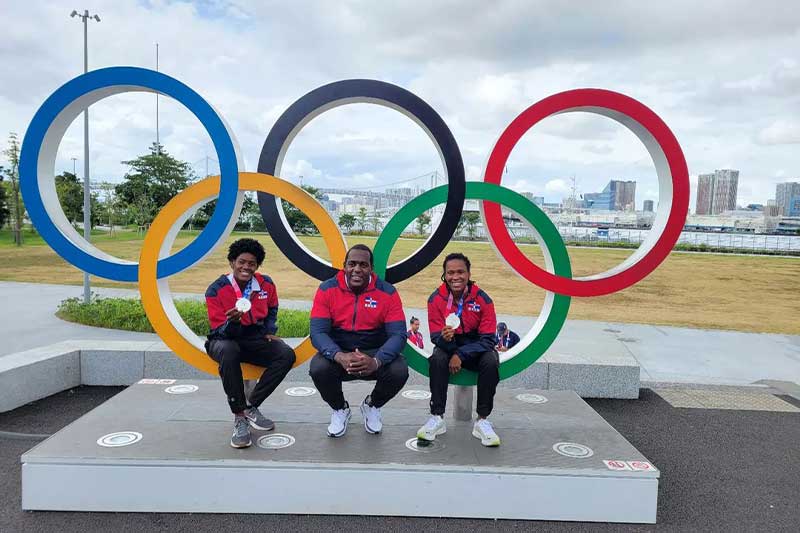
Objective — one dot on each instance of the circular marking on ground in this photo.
(276, 441)
(424, 446)
(120, 438)
(301, 391)
(417, 394)
(531, 398)
(573, 449)
(181, 389)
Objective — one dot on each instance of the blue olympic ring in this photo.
(63, 106)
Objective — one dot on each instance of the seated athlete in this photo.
(358, 326)
(242, 312)
(462, 323)
(504, 339)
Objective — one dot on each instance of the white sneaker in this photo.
(372, 417)
(484, 431)
(434, 426)
(339, 420)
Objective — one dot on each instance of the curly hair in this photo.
(246, 246)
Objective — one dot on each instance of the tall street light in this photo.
(87, 220)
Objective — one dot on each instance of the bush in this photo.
(128, 314)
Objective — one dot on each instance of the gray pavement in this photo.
(665, 354)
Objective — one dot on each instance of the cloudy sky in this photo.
(724, 75)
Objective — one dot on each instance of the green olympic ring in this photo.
(554, 313)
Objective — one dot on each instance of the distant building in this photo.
(648, 206)
(784, 194)
(616, 196)
(538, 200)
(717, 192)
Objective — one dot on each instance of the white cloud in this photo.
(556, 186)
(780, 132)
(731, 94)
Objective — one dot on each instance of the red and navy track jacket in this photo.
(342, 321)
(476, 333)
(259, 321)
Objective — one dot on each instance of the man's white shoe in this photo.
(483, 430)
(434, 426)
(339, 420)
(372, 417)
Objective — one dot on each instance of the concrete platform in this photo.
(180, 461)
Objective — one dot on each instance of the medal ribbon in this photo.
(238, 291)
(460, 303)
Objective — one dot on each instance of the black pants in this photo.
(276, 355)
(486, 364)
(328, 377)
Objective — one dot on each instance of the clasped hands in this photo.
(356, 363)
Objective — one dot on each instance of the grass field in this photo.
(715, 291)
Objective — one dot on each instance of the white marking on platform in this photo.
(301, 391)
(424, 446)
(151, 381)
(276, 441)
(640, 465)
(617, 465)
(531, 398)
(181, 389)
(573, 449)
(120, 438)
(416, 394)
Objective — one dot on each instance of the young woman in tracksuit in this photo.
(462, 323)
(242, 312)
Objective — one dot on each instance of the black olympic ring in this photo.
(340, 93)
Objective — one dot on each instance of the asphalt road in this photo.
(721, 470)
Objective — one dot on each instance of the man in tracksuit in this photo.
(242, 312)
(358, 327)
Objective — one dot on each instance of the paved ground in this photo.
(722, 470)
(665, 354)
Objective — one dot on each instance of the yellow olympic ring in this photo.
(156, 298)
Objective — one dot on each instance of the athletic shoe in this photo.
(484, 431)
(339, 420)
(241, 433)
(257, 420)
(372, 417)
(434, 426)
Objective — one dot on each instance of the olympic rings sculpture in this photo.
(156, 264)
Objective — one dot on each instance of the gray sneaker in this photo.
(257, 420)
(241, 433)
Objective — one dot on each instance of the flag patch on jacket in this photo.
(370, 302)
(474, 307)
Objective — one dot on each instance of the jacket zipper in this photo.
(355, 310)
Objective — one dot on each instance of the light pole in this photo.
(87, 219)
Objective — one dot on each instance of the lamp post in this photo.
(87, 220)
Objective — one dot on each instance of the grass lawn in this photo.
(716, 291)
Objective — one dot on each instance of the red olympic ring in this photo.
(673, 189)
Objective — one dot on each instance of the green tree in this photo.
(70, 196)
(153, 179)
(423, 221)
(12, 153)
(298, 220)
(375, 222)
(362, 218)
(347, 221)
(4, 211)
(471, 220)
